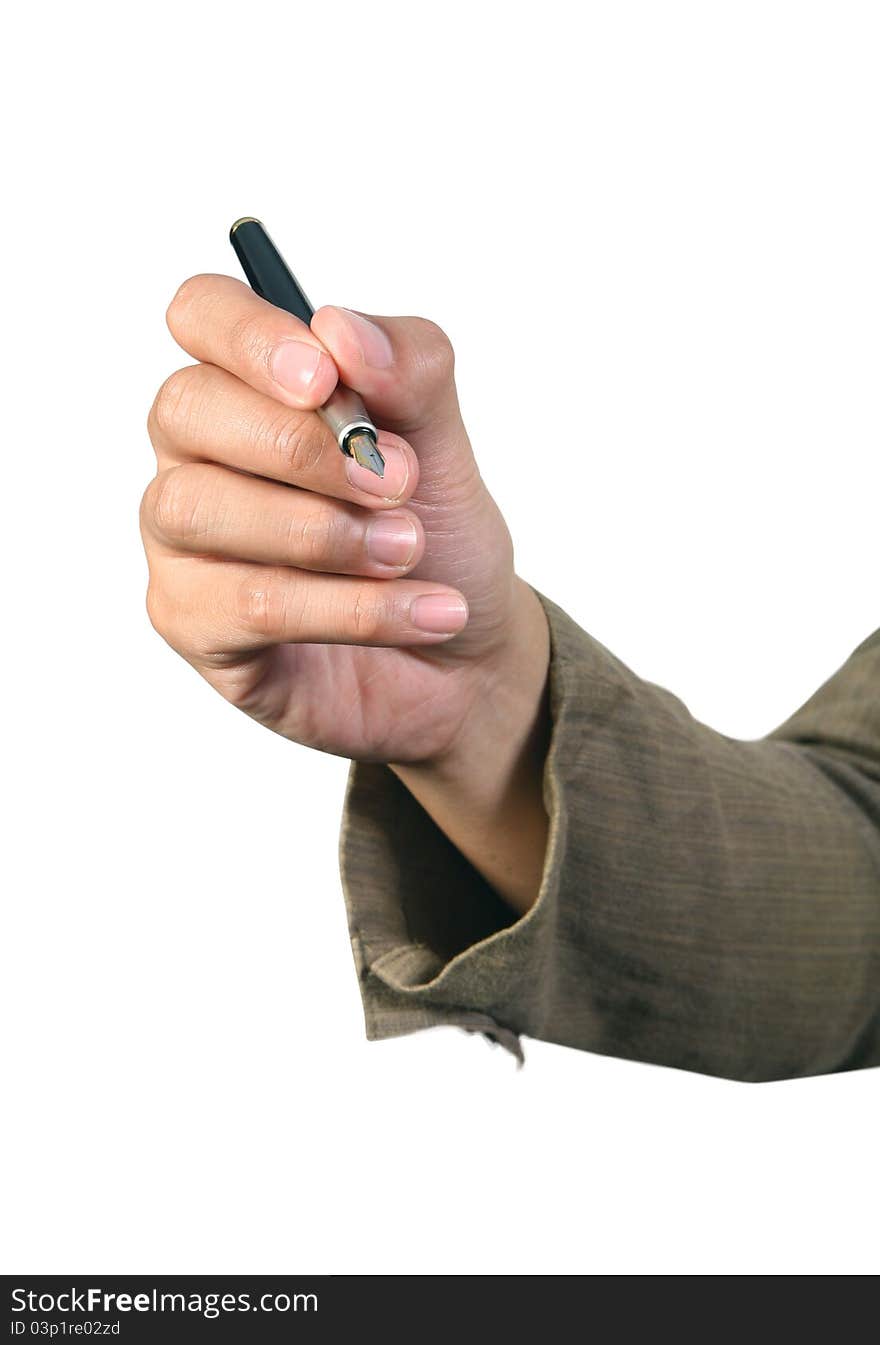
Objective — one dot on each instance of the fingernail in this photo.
(390, 486)
(294, 365)
(391, 541)
(375, 346)
(438, 613)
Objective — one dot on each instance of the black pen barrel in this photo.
(267, 272)
(269, 276)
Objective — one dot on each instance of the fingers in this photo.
(219, 320)
(404, 370)
(200, 509)
(203, 413)
(215, 612)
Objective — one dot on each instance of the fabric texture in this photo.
(707, 903)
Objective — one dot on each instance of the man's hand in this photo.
(378, 619)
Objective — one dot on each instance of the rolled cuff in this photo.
(705, 903)
(433, 943)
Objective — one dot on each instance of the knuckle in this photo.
(249, 341)
(175, 400)
(157, 609)
(146, 511)
(316, 536)
(434, 351)
(292, 443)
(175, 616)
(181, 304)
(176, 503)
(370, 613)
(266, 606)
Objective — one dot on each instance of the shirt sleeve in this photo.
(706, 903)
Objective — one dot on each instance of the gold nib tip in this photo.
(363, 449)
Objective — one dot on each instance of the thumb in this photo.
(404, 370)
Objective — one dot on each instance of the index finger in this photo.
(220, 320)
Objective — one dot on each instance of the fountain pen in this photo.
(269, 276)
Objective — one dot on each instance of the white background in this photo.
(651, 231)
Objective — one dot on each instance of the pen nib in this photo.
(363, 449)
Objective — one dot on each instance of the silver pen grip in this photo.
(345, 414)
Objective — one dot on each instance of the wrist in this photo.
(486, 789)
(507, 687)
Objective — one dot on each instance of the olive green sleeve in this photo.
(707, 903)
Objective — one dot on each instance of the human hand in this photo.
(370, 625)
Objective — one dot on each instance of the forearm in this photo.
(705, 902)
(486, 793)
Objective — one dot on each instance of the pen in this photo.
(269, 276)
